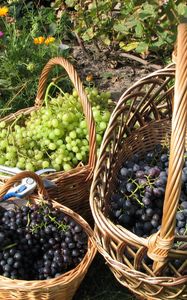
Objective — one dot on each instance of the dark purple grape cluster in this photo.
(39, 242)
(137, 201)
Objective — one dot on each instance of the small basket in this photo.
(61, 287)
(72, 187)
(143, 118)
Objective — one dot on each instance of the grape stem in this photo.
(8, 246)
(133, 194)
(15, 121)
(47, 92)
(135, 197)
(21, 154)
(149, 181)
(47, 153)
(36, 227)
(139, 187)
(9, 131)
(60, 226)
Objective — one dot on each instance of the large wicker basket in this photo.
(61, 287)
(144, 117)
(72, 187)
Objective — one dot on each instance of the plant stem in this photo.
(11, 100)
(81, 44)
(97, 10)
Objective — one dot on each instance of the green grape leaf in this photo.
(144, 15)
(147, 11)
(128, 47)
(105, 40)
(88, 34)
(121, 28)
(132, 22)
(160, 42)
(142, 47)
(139, 30)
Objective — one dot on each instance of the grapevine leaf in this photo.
(139, 30)
(121, 28)
(131, 23)
(128, 47)
(142, 47)
(88, 34)
(106, 40)
(147, 12)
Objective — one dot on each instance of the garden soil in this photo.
(111, 72)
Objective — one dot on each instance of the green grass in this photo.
(100, 284)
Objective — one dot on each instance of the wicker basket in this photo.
(61, 287)
(142, 119)
(72, 187)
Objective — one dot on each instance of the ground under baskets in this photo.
(62, 287)
(72, 187)
(143, 118)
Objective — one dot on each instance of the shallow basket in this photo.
(72, 187)
(62, 287)
(144, 117)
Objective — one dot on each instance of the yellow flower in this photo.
(39, 40)
(49, 40)
(3, 11)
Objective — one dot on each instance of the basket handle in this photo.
(16, 178)
(161, 243)
(82, 95)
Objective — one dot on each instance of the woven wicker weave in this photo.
(73, 186)
(142, 119)
(61, 287)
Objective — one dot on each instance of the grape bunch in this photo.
(55, 135)
(137, 201)
(39, 242)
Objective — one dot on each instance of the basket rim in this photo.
(52, 281)
(159, 280)
(69, 275)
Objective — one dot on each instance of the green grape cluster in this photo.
(56, 135)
